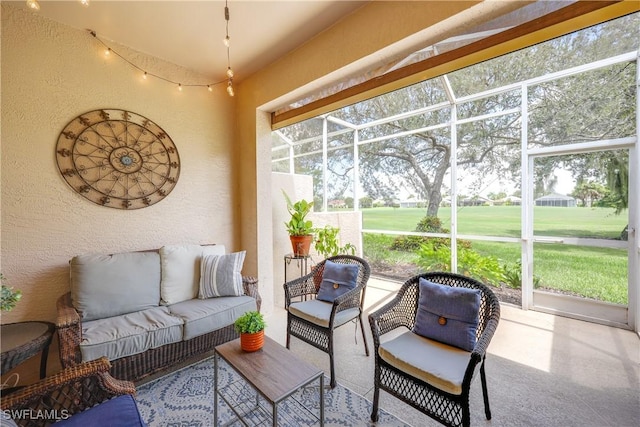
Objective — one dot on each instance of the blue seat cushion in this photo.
(448, 314)
(120, 411)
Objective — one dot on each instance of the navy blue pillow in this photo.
(120, 411)
(336, 280)
(448, 314)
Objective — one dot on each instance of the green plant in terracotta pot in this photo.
(251, 326)
(300, 229)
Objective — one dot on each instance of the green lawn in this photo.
(504, 221)
(597, 273)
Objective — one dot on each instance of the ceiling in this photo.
(190, 33)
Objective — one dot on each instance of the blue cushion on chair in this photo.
(120, 411)
(336, 280)
(448, 314)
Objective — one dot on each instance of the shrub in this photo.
(513, 276)
(431, 224)
(428, 224)
(470, 263)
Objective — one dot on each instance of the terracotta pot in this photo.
(252, 342)
(301, 244)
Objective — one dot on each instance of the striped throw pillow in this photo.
(220, 275)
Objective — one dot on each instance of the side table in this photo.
(23, 340)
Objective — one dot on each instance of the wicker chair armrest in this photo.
(393, 315)
(69, 327)
(250, 288)
(69, 391)
(349, 299)
(67, 314)
(483, 341)
(299, 287)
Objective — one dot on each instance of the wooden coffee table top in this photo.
(273, 370)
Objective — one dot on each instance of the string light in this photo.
(227, 43)
(145, 74)
(33, 4)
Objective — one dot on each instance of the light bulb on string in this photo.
(33, 4)
(85, 3)
(227, 41)
(108, 51)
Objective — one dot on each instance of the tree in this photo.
(589, 193)
(366, 202)
(581, 108)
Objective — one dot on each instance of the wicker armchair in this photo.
(428, 394)
(314, 324)
(66, 393)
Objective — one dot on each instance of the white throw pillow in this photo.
(220, 275)
(181, 271)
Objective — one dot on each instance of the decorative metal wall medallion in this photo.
(118, 159)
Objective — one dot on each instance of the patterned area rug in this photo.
(185, 398)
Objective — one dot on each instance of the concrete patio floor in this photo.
(542, 370)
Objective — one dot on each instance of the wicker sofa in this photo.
(146, 311)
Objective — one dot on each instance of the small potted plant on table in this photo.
(251, 326)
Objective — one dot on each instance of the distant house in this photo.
(555, 199)
(510, 201)
(475, 201)
(337, 204)
(413, 203)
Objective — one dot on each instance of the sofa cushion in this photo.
(205, 315)
(181, 270)
(221, 275)
(435, 363)
(129, 334)
(111, 285)
(120, 411)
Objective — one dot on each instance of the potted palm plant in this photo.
(251, 326)
(299, 228)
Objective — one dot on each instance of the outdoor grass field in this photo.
(596, 273)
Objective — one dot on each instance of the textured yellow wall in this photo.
(51, 73)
